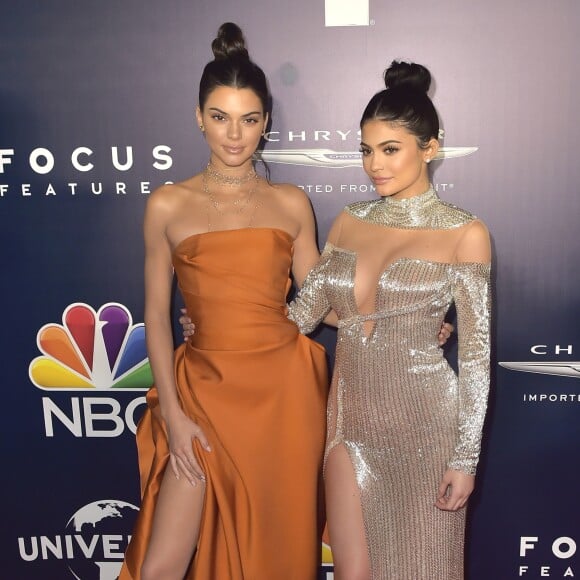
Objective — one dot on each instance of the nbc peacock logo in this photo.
(92, 350)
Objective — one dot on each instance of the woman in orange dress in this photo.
(230, 446)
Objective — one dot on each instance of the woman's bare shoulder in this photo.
(170, 197)
(291, 197)
(474, 245)
(289, 191)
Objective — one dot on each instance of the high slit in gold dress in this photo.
(258, 389)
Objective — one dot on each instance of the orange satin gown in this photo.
(258, 389)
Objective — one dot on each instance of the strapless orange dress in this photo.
(258, 389)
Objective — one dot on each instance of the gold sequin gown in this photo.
(396, 405)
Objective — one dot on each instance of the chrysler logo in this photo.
(331, 158)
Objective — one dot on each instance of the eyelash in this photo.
(250, 120)
(387, 150)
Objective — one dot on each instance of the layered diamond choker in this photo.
(239, 204)
(223, 179)
(244, 204)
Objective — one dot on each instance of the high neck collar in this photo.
(410, 212)
(423, 211)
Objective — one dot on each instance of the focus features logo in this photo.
(92, 352)
(92, 543)
(562, 549)
(42, 161)
(557, 368)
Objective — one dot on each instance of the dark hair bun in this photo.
(407, 75)
(229, 42)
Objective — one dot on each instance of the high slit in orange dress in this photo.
(258, 389)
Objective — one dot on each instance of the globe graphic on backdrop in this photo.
(100, 532)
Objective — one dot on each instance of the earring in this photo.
(202, 128)
(427, 160)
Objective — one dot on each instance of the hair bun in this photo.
(229, 42)
(407, 75)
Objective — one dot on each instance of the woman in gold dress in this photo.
(404, 430)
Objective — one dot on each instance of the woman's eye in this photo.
(390, 150)
(251, 121)
(218, 117)
(364, 151)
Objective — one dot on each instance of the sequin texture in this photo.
(395, 404)
(425, 211)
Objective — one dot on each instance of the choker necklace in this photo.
(239, 204)
(424, 211)
(224, 179)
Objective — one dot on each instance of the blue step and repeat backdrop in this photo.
(97, 109)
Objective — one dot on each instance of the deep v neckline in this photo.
(355, 307)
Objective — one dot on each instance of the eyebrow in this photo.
(244, 115)
(383, 143)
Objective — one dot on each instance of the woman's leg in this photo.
(345, 519)
(175, 530)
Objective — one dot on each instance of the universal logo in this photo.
(92, 541)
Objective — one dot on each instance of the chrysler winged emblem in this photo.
(560, 369)
(331, 158)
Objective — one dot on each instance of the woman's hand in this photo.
(443, 336)
(454, 490)
(188, 327)
(181, 432)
